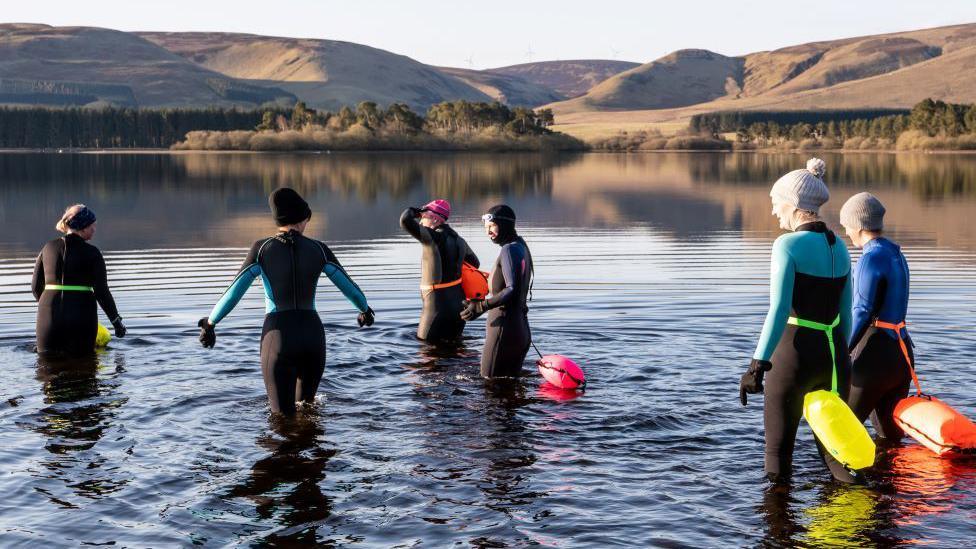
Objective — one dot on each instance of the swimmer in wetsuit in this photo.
(810, 294)
(444, 251)
(881, 348)
(69, 279)
(293, 339)
(507, 337)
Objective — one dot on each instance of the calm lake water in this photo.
(651, 271)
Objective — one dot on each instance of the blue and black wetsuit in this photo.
(507, 337)
(444, 251)
(293, 340)
(881, 375)
(69, 278)
(810, 280)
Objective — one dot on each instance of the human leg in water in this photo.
(786, 384)
(292, 358)
(879, 380)
(507, 341)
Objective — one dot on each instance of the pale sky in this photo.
(494, 33)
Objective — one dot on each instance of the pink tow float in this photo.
(561, 372)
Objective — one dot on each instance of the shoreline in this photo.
(474, 151)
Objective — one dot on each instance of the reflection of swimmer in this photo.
(286, 484)
(810, 295)
(444, 251)
(508, 337)
(79, 409)
(293, 340)
(880, 344)
(69, 278)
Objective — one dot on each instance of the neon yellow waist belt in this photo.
(68, 288)
(829, 330)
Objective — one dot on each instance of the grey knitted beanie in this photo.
(803, 189)
(863, 211)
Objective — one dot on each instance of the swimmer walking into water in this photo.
(508, 337)
(810, 298)
(881, 348)
(293, 339)
(69, 279)
(444, 253)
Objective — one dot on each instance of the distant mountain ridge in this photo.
(88, 66)
(889, 70)
(567, 78)
(65, 66)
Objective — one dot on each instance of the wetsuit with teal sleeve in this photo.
(810, 280)
(444, 251)
(881, 375)
(508, 337)
(293, 339)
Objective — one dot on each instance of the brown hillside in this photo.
(40, 64)
(892, 70)
(323, 73)
(505, 88)
(567, 78)
(684, 77)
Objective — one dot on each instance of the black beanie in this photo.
(504, 217)
(288, 207)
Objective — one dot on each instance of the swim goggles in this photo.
(490, 218)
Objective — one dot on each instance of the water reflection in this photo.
(193, 199)
(80, 406)
(286, 485)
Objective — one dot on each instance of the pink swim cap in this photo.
(440, 208)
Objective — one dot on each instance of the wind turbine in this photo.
(529, 53)
(615, 52)
(470, 61)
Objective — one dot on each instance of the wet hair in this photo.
(75, 218)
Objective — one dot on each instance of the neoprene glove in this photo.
(473, 309)
(208, 337)
(752, 381)
(414, 212)
(120, 330)
(367, 318)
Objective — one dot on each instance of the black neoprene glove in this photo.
(208, 337)
(414, 212)
(473, 309)
(752, 381)
(366, 318)
(120, 330)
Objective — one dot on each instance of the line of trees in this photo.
(111, 127)
(731, 121)
(122, 127)
(929, 124)
(445, 117)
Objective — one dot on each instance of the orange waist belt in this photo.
(904, 348)
(441, 285)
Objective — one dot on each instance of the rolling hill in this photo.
(567, 78)
(78, 66)
(325, 74)
(891, 70)
(505, 88)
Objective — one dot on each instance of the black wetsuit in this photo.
(881, 373)
(810, 281)
(293, 340)
(444, 251)
(508, 337)
(67, 320)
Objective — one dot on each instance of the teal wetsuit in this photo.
(293, 340)
(810, 280)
